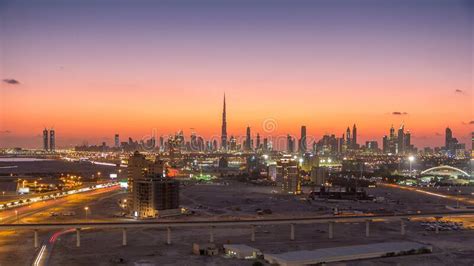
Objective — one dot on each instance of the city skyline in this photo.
(267, 129)
(325, 65)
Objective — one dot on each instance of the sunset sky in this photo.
(91, 69)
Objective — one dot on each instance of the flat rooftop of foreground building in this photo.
(309, 257)
(240, 247)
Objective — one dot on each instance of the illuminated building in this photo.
(371, 145)
(150, 192)
(52, 140)
(288, 178)
(302, 142)
(290, 144)
(248, 140)
(117, 141)
(327, 145)
(257, 146)
(233, 143)
(354, 138)
(452, 145)
(224, 128)
(45, 140)
(319, 175)
(348, 138)
(398, 143)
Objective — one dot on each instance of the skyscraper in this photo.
(52, 140)
(290, 144)
(248, 140)
(45, 140)
(257, 147)
(401, 140)
(452, 145)
(117, 141)
(302, 142)
(448, 138)
(224, 128)
(348, 138)
(354, 137)
(265, 144)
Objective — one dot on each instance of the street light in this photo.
(16, 214)
(87, 210)
(411, 159)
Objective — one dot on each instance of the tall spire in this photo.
(224, 127)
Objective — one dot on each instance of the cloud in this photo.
(459, 91)
(5, 132)
(11, 81)
(438, 134)
(399, 113)
(471, 122)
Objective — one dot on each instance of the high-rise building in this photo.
(288, 178)
(371, 145)
(52, 140)
(290, 144)
(233, 143)
(302, 142)
(224, 128)
(257, 146)
(45, 140)
(150, 193)
(401, 140)
(327, 145)
(162, 144)
(399, 143)
(348, 138)
(452, 145)
(248, 140)
(117, 141)
(319, 175)
(354, 138)
(448, 137)
(385, 145)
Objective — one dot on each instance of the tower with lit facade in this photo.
(52, 140)
(302, 142)
(45, 140)
(224, 128)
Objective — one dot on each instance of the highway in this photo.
(236, 222)
(16, 214)
(440, 195)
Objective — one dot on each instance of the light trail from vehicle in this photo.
(15, 215)
(450, 197)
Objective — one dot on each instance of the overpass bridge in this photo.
(252, 223)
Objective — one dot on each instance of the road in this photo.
(440, 195)
(15, 216)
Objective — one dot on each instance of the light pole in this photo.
(87, 210)
(411, 159)
(16, 214)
